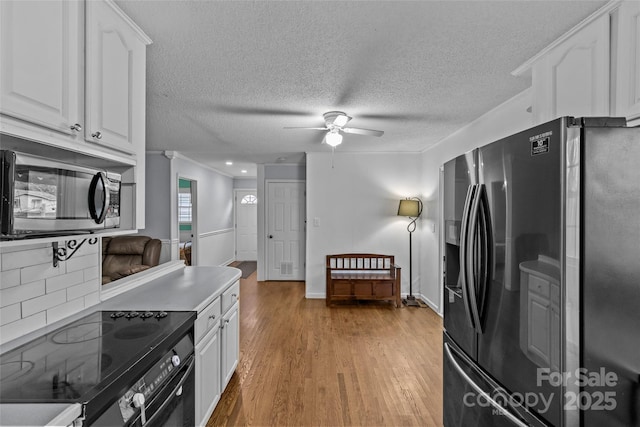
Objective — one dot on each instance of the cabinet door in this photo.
(573, 78)
(115, 79)
(41, 45)
(207, 376)
(230, 345)
(627, 62)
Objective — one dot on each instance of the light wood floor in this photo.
(303, 364)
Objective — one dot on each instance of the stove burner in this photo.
(136, 331)
(81, 333)
(105, 361)
(13, 370)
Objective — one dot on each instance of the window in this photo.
(184, 207)
(249, 199)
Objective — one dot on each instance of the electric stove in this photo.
(94, 360)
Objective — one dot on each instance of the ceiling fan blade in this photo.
(259, 111)
(368, 132)
(295, 127)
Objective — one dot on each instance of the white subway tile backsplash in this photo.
(33, 293)
(81, 262)
(23, 326)
(64, 281)
(9, 278)
(10, 313)
(91, 299)
(61, 311)
(27, 258)
(83, 289)
(42, 303)
(40, 271)
(91, 273)
(21, 293)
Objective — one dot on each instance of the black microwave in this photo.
(44, 196)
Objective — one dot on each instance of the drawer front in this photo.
(383, 289)
(230, 296)
(341, 287)
(207, 319)
(362, 288)
(539, 286)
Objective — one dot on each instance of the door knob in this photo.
(76, 127)
(271, 236)
(97, 135)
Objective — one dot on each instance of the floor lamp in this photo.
(411, 207)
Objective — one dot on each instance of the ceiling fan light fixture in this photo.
(341, 120)
(333, 138)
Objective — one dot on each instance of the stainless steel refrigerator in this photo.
(542, 278)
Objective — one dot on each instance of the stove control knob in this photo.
(175, 360)
(138, 400)
(161, 314)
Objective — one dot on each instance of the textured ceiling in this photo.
(225, 77)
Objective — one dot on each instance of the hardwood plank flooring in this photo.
(304, 364)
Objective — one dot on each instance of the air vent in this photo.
(286, 268)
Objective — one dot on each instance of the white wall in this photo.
(355, 203)
(158, 196)
(214, 213)
(504, 120)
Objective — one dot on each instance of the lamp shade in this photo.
(409, 207)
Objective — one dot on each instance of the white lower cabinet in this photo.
(217, 339)
(207, 376)
(230, 329)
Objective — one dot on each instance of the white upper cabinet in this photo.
(627, 60)
(592, 70)
(73, 76)
(41, 79)
(572, 79)
(115, 78)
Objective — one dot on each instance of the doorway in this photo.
(246, 210)
(285, 229)
(187, 220)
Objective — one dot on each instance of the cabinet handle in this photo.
(76, 127)
(234, 295)
(97, 135)
(212, 317)
(226, 321)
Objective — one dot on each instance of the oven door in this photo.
(174, 404)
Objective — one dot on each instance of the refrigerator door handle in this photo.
(486, 251)
(472, 257)
(504, 411)
(464, 265)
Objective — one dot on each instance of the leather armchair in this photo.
(126, 255)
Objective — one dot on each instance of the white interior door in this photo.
(285, 231)
(246, 225)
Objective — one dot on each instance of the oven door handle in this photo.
(175, 391)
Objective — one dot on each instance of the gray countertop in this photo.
(187, 289)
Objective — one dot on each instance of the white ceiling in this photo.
(225, 77)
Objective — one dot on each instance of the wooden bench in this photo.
(352, 277)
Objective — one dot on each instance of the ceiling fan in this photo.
(334, 124)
